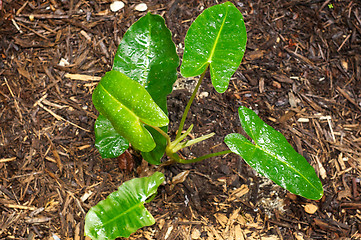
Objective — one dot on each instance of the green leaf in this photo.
(274, 157)
(108, 142)
(123, 212)
(127, 105)
(148, 55)
(155, 156)
(216, 38)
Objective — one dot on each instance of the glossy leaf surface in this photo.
(274, 157)
(155, 156)
(123, 212)
(148, 55)
(127, 105)
(108, 142)
(216, 38)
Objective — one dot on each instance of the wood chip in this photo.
(82, 77)
(239, 192)
(250, 56)
(20, 207)
(196, 234)
(310, 208)
(238, 232)
(221, 218)
(282, 78)
(180, 177)
(3, 160)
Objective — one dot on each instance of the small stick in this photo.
(3, 160)
(343, 43)
(82, 77)
(59, 117)
(15, 102)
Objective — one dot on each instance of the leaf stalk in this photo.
(185, 114)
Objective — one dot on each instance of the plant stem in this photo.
(164, 134)
(181, 125)
(200, 139)
(180, 138)
(184, 161)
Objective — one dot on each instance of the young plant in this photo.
(132, 104)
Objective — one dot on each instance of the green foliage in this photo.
(107, 140)
(217, 38)
(132, 102)
(128, 106)
(148, 55)
(123, 211)
(274, 157)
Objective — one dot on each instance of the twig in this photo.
(3, 160)
(15, 102)
(345, 94)
(343, 43)
(44, 16)
(82, 77)
(59, 117)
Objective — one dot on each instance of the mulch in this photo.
(301, 73)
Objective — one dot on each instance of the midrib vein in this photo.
(217, 39)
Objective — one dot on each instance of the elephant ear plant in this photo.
(132, 104)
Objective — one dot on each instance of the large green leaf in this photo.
(123, 212)
(274, 157)
(127, 105)
(216, 38)
(155, 156)
(107, 140)
(148, 55)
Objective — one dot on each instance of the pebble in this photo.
(116, 6)
(141, 7)
(203, 94)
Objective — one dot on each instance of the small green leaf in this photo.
(148, 55)
(108, 142)
(216, 38)
(127, 105)
(274, 157)
(123, 212)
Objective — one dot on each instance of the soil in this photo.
(301, 74)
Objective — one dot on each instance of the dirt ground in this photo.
(301, 74)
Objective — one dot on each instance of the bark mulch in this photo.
(301, 74)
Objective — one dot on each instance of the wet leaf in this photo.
(128, 106)
(216, 38)
(274, 157)
(108, 142)
(155, 156)
(148, 55)
(123, 212)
